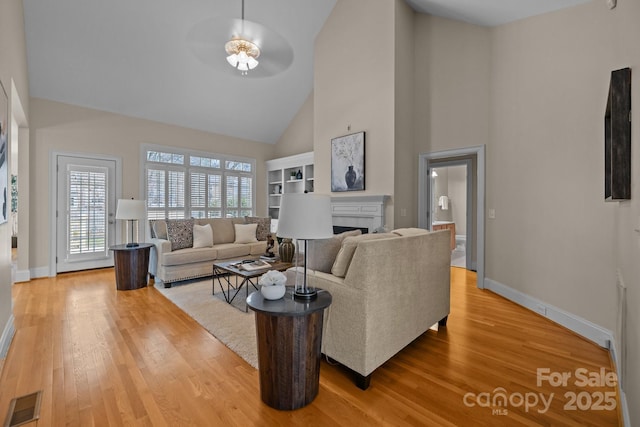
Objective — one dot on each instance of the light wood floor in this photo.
(104, 357)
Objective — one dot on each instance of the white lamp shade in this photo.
(305, 216)
(130, 209)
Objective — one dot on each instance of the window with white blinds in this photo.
(87, 217)
(185, 184)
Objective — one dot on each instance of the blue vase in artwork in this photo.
(350, 177)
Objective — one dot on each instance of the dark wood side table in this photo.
(289, 334)
(132, 265)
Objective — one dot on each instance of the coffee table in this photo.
(223, 272)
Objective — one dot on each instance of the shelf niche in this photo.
(617, 137)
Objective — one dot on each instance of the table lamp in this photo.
(131, 211)
(305, 216)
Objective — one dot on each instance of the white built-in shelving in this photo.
(292, 174)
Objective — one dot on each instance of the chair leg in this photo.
(443, 321)
(363, 382)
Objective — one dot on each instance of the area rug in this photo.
(233, 327)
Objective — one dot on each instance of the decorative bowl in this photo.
(273, 292)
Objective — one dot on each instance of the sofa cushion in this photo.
(409, 231)
(188, 256)
(202, 236)
(348, 248)
(245, 233)
(264, 226)
(257, 248)
(322, 252)
(180, 233)
(159, 229)
(223, 231)
(232, 250)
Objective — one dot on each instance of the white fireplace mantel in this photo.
(365, 211)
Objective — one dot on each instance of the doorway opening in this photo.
(451, 207)
(432, 199)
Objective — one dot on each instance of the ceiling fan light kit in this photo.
(242, 53)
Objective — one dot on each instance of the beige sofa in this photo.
(387, 289)
(168, 266)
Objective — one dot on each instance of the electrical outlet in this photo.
(403, 212)
(492, 214)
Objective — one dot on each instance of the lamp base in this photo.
(132, 245)
(305, 294)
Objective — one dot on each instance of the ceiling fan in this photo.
(233, 46)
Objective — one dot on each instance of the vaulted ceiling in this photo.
(164, 60)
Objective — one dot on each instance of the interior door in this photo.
(85, 213)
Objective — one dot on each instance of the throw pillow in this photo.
(264, 226)
(159, 229)
(202, 236)
(180, 233)
(410, 231)
(348, 248)
(322, 253)
(245, 233)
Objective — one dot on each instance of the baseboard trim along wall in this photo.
(7, 336)
(577, 324)
(624, 410)
(589, 330)
(23, 276)
(39, 272)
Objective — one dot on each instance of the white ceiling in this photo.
(153, 59)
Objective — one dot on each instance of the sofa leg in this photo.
(362, 381)
(167, 284)
(443, 321)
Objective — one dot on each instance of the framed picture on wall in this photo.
(347, 162)
(4, 156)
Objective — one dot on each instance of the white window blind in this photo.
(87, 216)
(197, 185)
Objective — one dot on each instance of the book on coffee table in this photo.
(255, 265)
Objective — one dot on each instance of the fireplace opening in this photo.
(337, 229)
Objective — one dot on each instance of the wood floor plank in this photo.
(110, 358)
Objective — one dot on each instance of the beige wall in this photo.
(554, 237)
(452, 84)
(405, 186)
(545, 161)
(13, 67)
(354, 91)
(298, 137)
(62, 127)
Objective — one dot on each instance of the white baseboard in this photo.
(589, 330)
(577, 324)
(7, 336)
(39, 272)
(624, 410)
(22, 276)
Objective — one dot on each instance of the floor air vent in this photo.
(24, 409)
